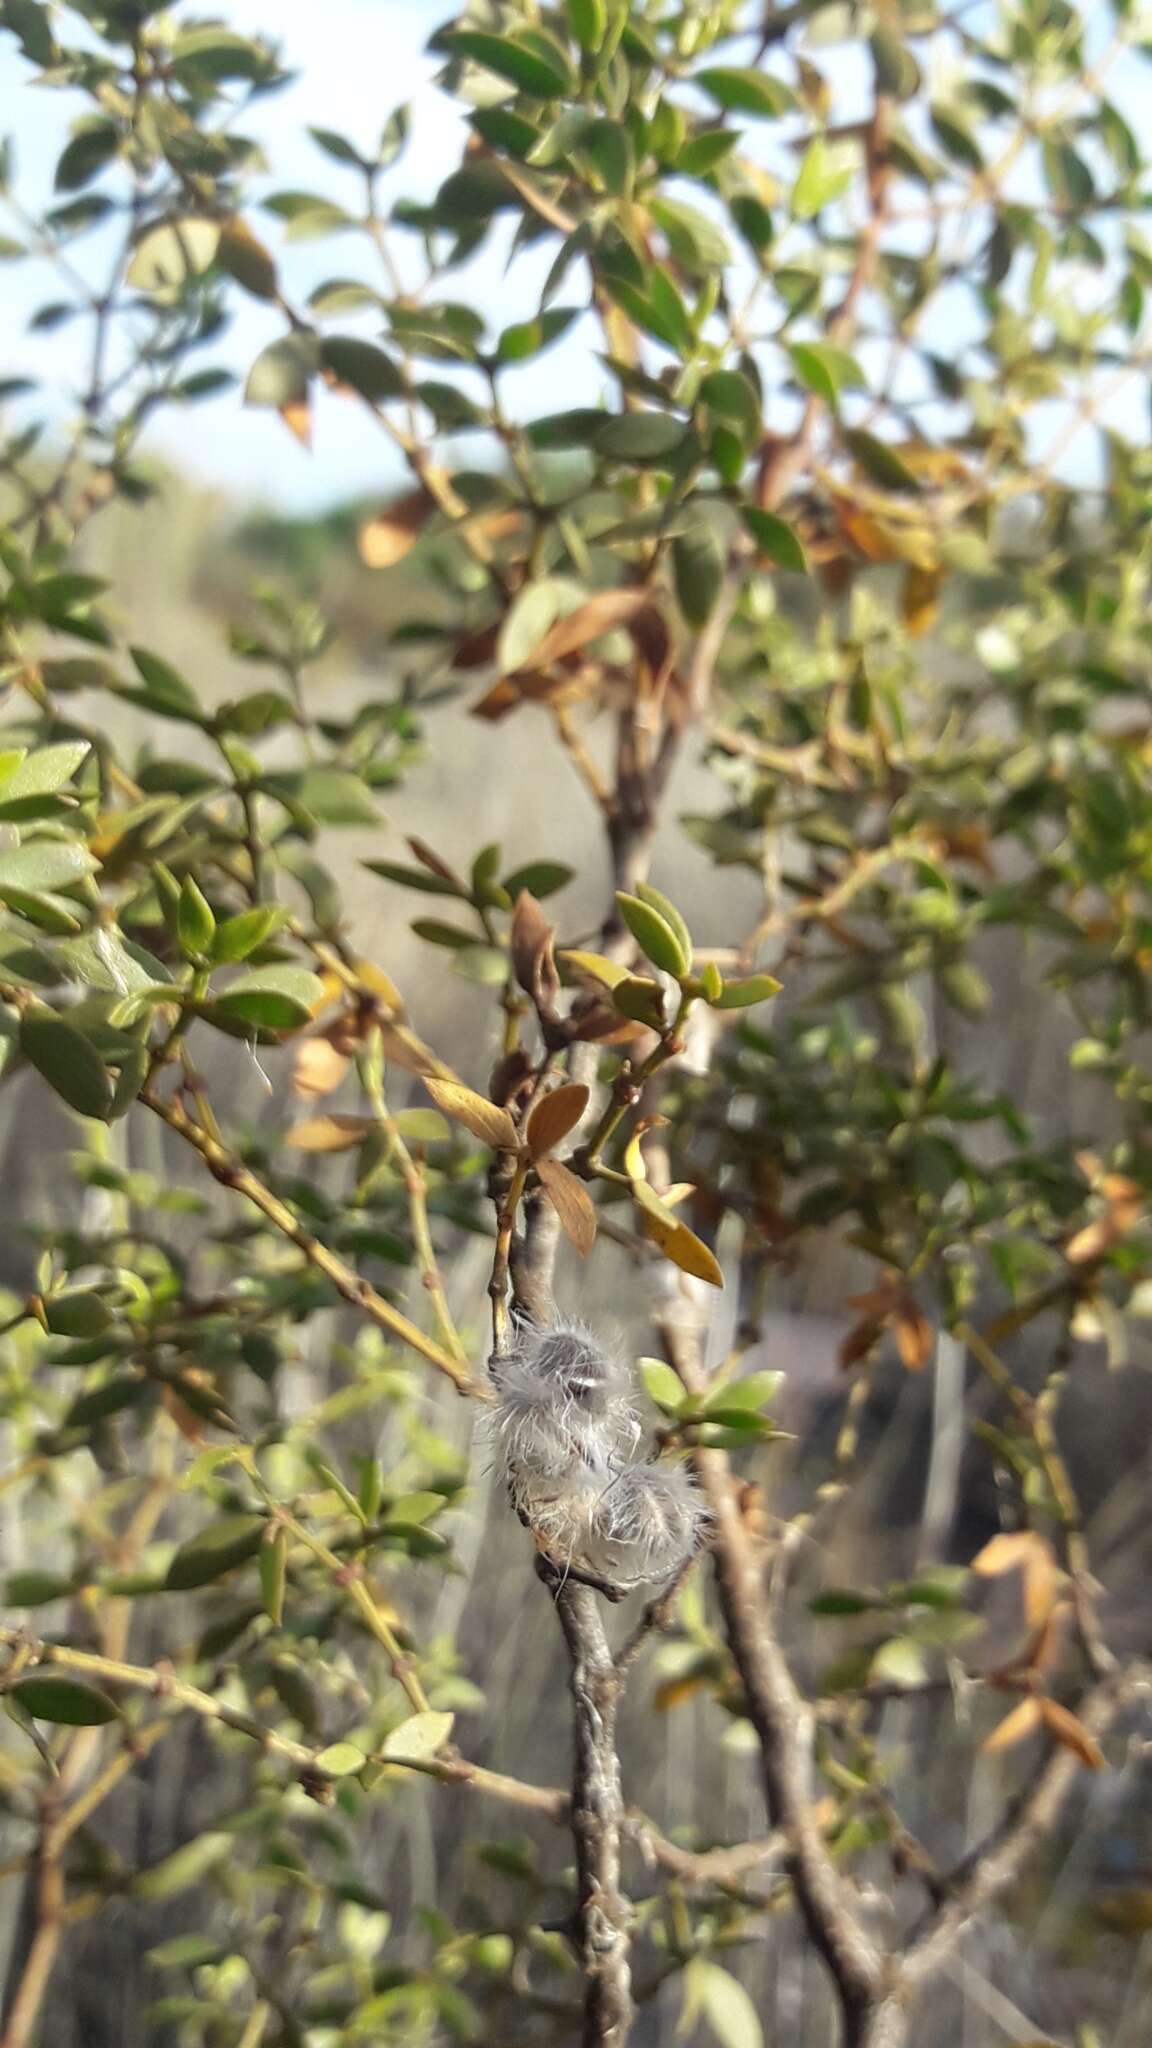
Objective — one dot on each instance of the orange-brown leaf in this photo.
(554, 1116)
(492, 1125)
(1066, 1729)
(1023, 1721)
(1025, 1551)
(915, 1337)
(329, 1133)
(318, 1067)
(572, 1203)
(297, 417)
(386, 539)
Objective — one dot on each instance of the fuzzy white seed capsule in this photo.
(646, 1525)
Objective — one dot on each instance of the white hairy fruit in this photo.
(565, 1430)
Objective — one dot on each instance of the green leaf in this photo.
(733, 397)
(337, 147)
(711, 1994)
(364, 368)
(43, 864)
(641, 437)
(417, 1739)
(822, 177)
(588, 20)
(37, 1589)
(219, 1548)
(165, 689)
(755, 1390)
(92, 148)
(40, 774)
(529, 337)
(341, 1760)
(415, 878)
(824, 369)
(774, 538)
(540, 877)
(241, 935)
(640, 1000)
(880, 462)
(899, 1662)
(273, 1561)
(695, 241)
(414, 1509)
(275, 998)
(282, 372)
(841, 1600)
(698, 566)
(533, 613)
(745, 90)
(67, 1060)
(653, 934)
(333, 796)
(663, 1386)
(668, 911)
(540, 70)
(195, 922)
(747, 989)
(78, 1312)
(897, 71)
(185, 1867)
(65, 1701)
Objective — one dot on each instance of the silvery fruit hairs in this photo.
(566, 1429)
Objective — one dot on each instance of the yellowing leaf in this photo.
(418, 1738)
(920, 598)
(492, 1125)
(676, 1241)
(572, 1203)
(595, 967)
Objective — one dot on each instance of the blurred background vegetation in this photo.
(920, 795)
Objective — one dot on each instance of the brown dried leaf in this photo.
(430, 859)
(554, 1116)
(404, 1049)
(386, 539)
(492, 1125)
(1066, 1729)
(1023, 1721)
(318, 1067)
(601, 614)
(531, 947)
(572, 1203)
(329, 1133)
(859, 1341)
